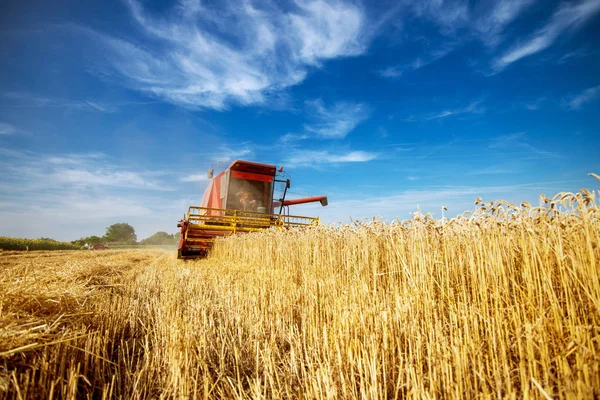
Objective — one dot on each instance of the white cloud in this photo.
(519, 141)
(354, 156)
(74, 215)
(29, 171)
(496, 170)
(337, 121)
(449, 15)
(195, 178)
(316, 158)
(105, 177)
(75, 158)
(433, 56)
(72, 195)
(473, 108)
(569, 16)
(292, 137)
(485, 20)
(24, 99)
(442, 114)
(458, 21)
(227, 153)
(586, 96)
(457, 199)
(392, 72)
(495, 19)
(575, 54)
(215, 54)
(327, 29)
(7, 129)
(535, 104)
(396, 71)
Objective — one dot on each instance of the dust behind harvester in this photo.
(239, 200)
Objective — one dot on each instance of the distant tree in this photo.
(89, 240)
(93, 239)
(120, 232)
(159, 238)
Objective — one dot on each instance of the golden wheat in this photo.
(503, 302)
(7, 243)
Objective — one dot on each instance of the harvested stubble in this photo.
(505, 303)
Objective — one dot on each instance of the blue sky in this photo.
(113, 111)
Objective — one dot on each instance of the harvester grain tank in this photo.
(240, 200)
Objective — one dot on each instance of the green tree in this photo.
(120, 232)
(90, 240)
(159, 238)
(93, 239)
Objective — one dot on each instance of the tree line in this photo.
(124, 233)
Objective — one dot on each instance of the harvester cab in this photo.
(240, 200)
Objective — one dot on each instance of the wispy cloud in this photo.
(588, 95)
(484, 20)
(215, 54)
(519, 141)
(337, 121)
(396, 71)
(71, 195)
(473, 108)
(457, 199)
(458, 22)
(293, 137)
(569, 16)
(226, 153)
(195, 178)
(76, 171)
(315, 158)
(75, 159)
(433, 56)
(95, 178)
(535, 104)
(7, 129)
(496, 170)
(491, 25)
(23, 99)
(327, 29)
(392, 72)
(489, 22)
(382, 132)
(449, 15)
(72, 215)
(575, 54)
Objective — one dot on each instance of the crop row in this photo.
(8, 243)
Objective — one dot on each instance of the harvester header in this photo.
(240, 200)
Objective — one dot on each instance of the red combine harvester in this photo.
(239, 200)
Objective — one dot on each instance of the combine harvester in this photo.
(240, 200)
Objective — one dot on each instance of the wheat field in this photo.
(501, 303)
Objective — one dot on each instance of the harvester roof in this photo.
(256, 168)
